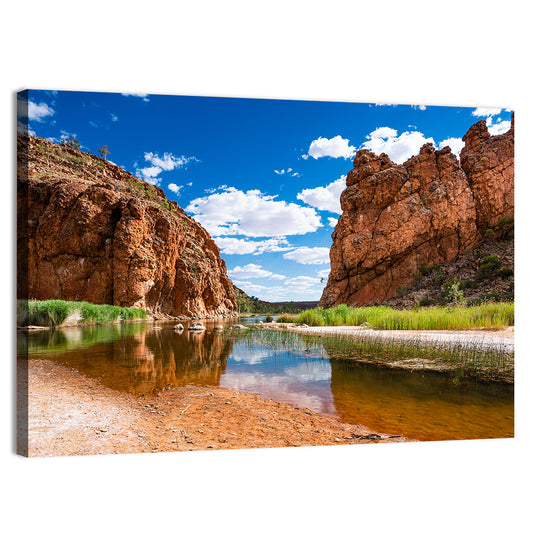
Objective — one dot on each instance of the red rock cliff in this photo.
(88, 230)
(429, 209)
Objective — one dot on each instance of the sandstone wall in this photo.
(429, 209)
(88, 230)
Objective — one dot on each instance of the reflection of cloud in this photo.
(249, 356)
(317, 397)
(309, 372)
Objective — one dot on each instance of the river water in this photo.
(142, 357)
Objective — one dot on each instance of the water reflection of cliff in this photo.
(136, 359)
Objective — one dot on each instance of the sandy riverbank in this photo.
(502, 339)
(71, 414)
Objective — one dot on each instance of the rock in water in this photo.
(430, 209)
(88, 230)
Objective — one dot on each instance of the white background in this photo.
(414, 52)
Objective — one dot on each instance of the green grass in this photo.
(494, 315)
(460, 360)
(53, 313)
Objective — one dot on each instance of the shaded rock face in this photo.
(88, 230)
(429, 209)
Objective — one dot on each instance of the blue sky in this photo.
(262, 176)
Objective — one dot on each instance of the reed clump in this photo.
(490, 315)
(286, 318)
(460, 360)
(53, 313)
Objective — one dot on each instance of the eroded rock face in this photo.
(88, 230)
(429, 209)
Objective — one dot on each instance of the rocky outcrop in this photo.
(430, 209)
(88, 230)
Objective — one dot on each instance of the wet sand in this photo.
(71, 414)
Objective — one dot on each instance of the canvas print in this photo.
(203, 273)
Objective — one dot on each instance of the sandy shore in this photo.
(71, 414)
(481, 339)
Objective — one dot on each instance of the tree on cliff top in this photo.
(71, 142)
(104, 151)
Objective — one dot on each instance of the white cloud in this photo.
(93, 124)
(295, 289)
(398, 148)
(332, 221)
(252, 214)
(288, 171)
(253, 271)
(486, 111)
(334, 147)
(323, 273)
(455, 143)
(153, 181)
(309, 256)
(499, 127)
(149, 172)
(420, 107)
(159, 163)
(145, 97)
(175, 188)
(234, 246)
(251, 288)
(40, 111)
(23, 128)
(28, 110)
(168, 161)
(114, 117)
(301, 282)
(325, 198)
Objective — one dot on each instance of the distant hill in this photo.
(251, 304)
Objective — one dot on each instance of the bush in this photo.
(425, 301)
(505, 272)
(489, 267)
(455, 294)
(49, 313)
(285, 318)
(505, 221)
(52, 313)
(269, 318)
(425, 270)
(71, 142)
(489, 234)
(468, 284)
